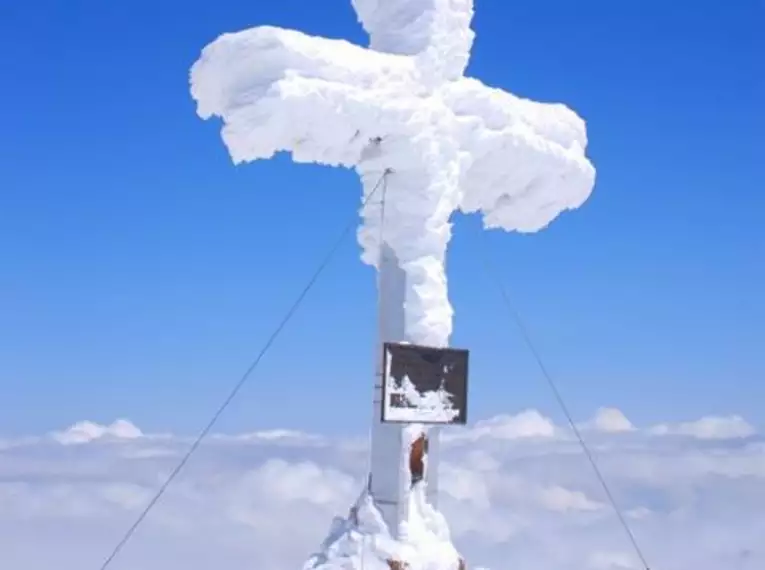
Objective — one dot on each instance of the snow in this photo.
(453, 143)
(436, 32)
(363, 540)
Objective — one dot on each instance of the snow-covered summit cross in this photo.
(402, 104)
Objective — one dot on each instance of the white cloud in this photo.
(84, 432)
(710, 427)
(527, 424)
(610, 420)
(612, 561)
(560, 499)
(517, 492)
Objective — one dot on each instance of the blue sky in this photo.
(141, 271)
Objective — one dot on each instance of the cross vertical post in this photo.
(386, 445)
(454, 144)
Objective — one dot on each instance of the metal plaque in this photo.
(422, 384)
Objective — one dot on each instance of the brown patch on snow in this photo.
(417, 453)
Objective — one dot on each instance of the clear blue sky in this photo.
(140, 271)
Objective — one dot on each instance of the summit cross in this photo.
(450, 142)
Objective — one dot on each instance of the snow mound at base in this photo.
(362, 541)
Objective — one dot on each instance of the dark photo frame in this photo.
(428, 375)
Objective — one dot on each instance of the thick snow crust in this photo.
(436, 32)
(363, 541)
(452, 142)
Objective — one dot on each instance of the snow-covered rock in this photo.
(362, 541)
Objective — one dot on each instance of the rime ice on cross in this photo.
(452, 142)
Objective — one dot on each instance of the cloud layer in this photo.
(516, 489)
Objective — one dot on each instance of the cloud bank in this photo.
(516, 489)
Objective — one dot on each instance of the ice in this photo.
(436, 32)
(362, 541)
(453, 143)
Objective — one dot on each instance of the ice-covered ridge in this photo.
(363, 541)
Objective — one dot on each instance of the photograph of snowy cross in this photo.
(424, 385)
(450, 143)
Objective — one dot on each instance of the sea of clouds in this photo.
(517, 490)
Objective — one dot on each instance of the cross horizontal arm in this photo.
(282, 90)
(527, 161)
